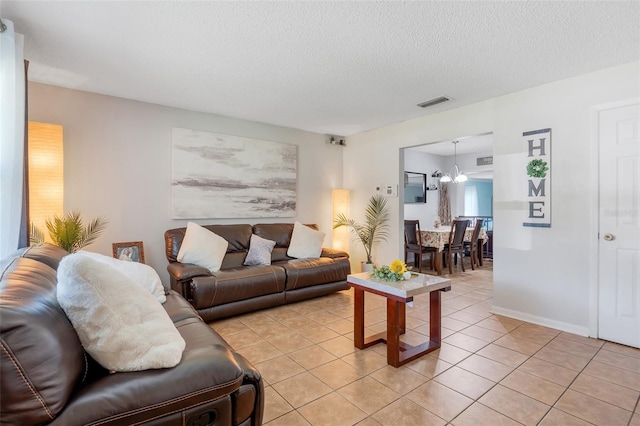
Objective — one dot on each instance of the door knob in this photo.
(609, 237)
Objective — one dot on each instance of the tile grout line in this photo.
(481, 303)
(572, 382)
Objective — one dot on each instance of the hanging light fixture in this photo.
(458, 176)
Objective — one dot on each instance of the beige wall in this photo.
(118, 164)
(540, 275)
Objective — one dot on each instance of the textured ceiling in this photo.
(327, 67)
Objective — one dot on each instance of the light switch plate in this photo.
(391, 190)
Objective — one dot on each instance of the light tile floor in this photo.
(490, 370)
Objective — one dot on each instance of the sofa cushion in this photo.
(306, 243)
(46, 253)
(207, 374)
(120, 324)
(259, 251)
(310, 272)
(231, 285)
(281, 234)
(41, 360)
(143, 275)
(202, 247)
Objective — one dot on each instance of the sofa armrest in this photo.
(181, 274)
(252, 406)
(186, 271)
(333, 253)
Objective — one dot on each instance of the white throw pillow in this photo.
(141, 274)
(120, 324)
(306, 243)
(259, 251)
(202, 247)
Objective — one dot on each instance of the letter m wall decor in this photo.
(537, 173)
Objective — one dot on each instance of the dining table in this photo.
(439, 237)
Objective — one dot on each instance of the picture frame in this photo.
(218, 176)
(132, 251)
(415, 188)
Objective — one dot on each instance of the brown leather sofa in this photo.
(237, 289)
(47, 377)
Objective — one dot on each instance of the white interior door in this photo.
(619, 226)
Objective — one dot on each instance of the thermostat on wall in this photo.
(388, 190)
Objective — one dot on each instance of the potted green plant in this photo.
(69, 231)
(374, 230)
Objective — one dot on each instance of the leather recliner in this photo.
(48, 378)
(237, 289)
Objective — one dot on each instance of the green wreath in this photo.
(537, 168)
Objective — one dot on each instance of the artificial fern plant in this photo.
(374, 230)
(69, 231)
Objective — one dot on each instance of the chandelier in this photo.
(454, 174)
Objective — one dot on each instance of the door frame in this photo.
(594, 219)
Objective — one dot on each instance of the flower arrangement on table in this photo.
(396, 271)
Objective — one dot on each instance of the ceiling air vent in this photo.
(432, 102)
(484, 161)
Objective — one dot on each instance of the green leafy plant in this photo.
(374, 230)
(69, 231)
(537, 168)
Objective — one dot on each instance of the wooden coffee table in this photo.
(398, 294)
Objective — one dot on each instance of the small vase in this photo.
(437, 223)
(366, 267)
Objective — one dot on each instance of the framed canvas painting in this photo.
(222, 176)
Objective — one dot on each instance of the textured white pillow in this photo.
(141, 274)
(306, 243)
(120, 324)
(202, 247)
(259, 251)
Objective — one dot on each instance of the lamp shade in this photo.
(340, 236)
(46, 173)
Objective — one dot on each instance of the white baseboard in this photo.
(545, 322)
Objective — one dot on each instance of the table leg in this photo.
(435, 332)
(360, 341)
(358, 318)
(480, 250)
(438, 255)
(400, 353)
(393, 332)
(402, 318)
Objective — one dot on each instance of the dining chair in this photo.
(474, 246)
(456, 243)
(413, 243)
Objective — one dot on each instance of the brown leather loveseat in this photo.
(48, 378)
(237, 289)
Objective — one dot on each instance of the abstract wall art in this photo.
(218, 176)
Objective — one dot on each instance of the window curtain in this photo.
(470, 200)
(444, 204)
(12, 138)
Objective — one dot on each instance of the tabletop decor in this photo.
(131, 252)
(396, 271)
